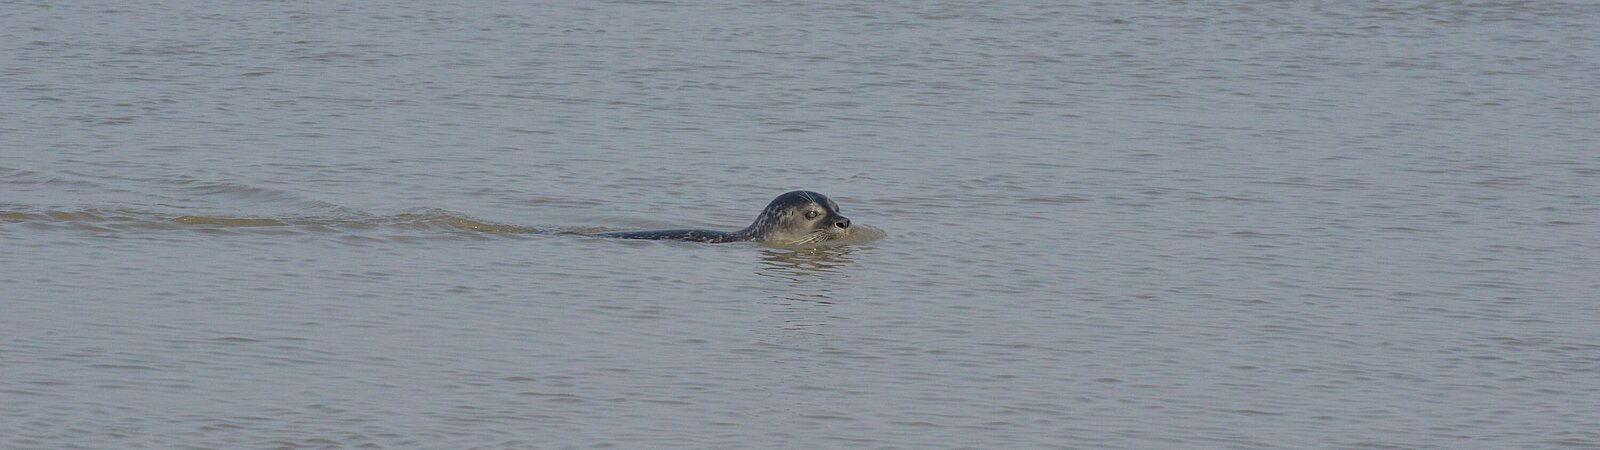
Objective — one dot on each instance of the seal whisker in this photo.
(813, 237)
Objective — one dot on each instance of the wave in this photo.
(112, 219)
(411, 224)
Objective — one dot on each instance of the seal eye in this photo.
(811, 214)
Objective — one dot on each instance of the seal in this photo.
(794, 218)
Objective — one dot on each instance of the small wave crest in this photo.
(410, 222)
(27, 177)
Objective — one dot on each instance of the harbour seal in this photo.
(794, 218)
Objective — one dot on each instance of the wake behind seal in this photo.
(794, 218)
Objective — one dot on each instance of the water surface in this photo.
(1254, 225)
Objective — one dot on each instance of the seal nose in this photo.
(842, 223)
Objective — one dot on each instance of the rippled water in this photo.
(1135, 225)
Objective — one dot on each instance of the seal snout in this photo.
(843, 223)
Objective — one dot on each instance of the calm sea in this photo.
(1103, 225)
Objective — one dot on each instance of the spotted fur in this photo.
(783, 222)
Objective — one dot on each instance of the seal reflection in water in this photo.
(795, 218)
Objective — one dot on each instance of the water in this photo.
(1254, 225)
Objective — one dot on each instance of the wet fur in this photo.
(781, 223)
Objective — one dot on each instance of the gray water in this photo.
(1109, 225)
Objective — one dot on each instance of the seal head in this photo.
(794, 218)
